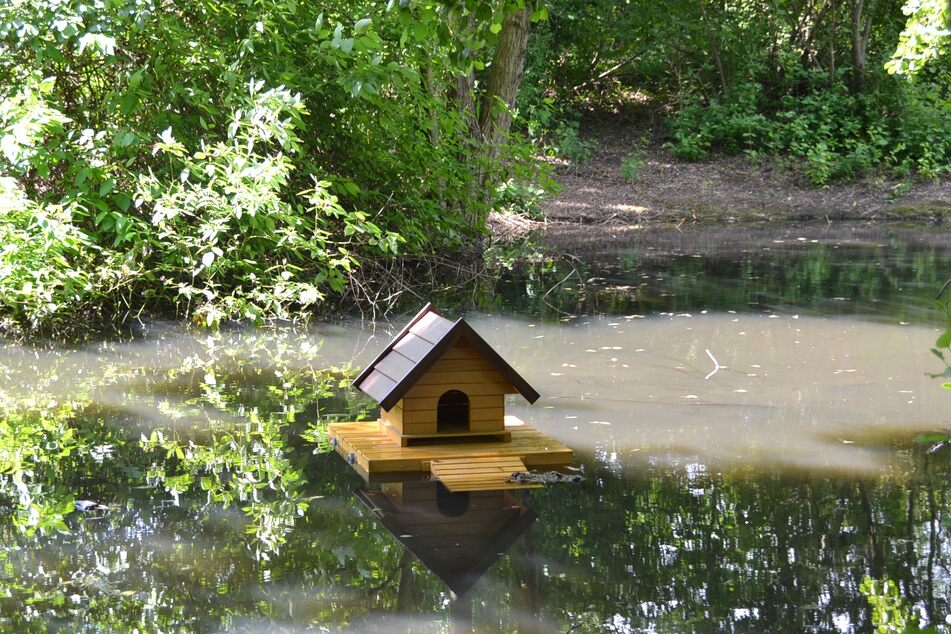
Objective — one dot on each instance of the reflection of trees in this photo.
(678, 550)
(782, 553)
(896, 280)
(682, 551)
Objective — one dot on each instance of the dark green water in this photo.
(753, 500)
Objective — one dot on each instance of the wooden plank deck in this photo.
(479, 474)
(371, 450)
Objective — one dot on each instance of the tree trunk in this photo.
(861, 30)
(505, 76)
(713, 34)
(832, 28)
(465, 93)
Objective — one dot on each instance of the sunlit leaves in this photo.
(228, 213)
(141, 119)
(927, 33)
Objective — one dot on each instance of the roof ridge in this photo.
(419, 354)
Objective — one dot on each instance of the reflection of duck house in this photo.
(441, 390)
(456, 535)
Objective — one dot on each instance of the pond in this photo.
(754, 412)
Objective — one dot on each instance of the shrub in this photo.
(520, 197)
(634, 161)
(839, 135)
(228, 239)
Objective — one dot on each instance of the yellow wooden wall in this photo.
(460, 368)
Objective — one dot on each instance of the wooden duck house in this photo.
(441, 389)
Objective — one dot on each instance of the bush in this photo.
(633, 162)
(49, 268)
(565, 141)
(839, 135)
(520, 198)
(228, 240)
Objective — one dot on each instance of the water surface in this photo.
(744, 411)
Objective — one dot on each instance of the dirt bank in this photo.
(722, 189)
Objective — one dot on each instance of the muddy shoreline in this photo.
(722, 189)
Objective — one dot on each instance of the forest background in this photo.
(249, 160)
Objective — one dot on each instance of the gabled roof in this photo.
(418, 346)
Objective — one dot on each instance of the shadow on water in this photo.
(747, 465)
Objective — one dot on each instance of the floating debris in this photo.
(522, 477)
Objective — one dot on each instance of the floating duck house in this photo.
(441, 390)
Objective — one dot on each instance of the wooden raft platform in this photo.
(479, 474)
(371, 450)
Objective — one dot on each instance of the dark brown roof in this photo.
(418, 346)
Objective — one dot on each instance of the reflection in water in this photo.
(835, 270)
(456, 535)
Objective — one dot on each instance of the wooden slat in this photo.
(411, 429)
(486, 425)
(465, 474)
(487, 414)
(462, 365)
(395, 366)
(431, 327)
(394, 416)
(476, 401)
(376, 452)
(420, 416)
(470, 389)
(413, 347)
(463, 376)
(377, 385)
(461, 350)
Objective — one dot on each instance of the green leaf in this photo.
(420, 32)
(106, 186)
(122, 201)
(124, 139)
(361, 26)
(46, 86)
(496, 27)
(944, 341)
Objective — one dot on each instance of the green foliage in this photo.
(564, 141)
(36, 445)
(45, 262)
(801, 81)
(254, 204)
(838, 135)
(633, 163)
(228, 199)
(942, 345)
(519, 197)
(890, 613)
(204, 437)
(924, 38)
